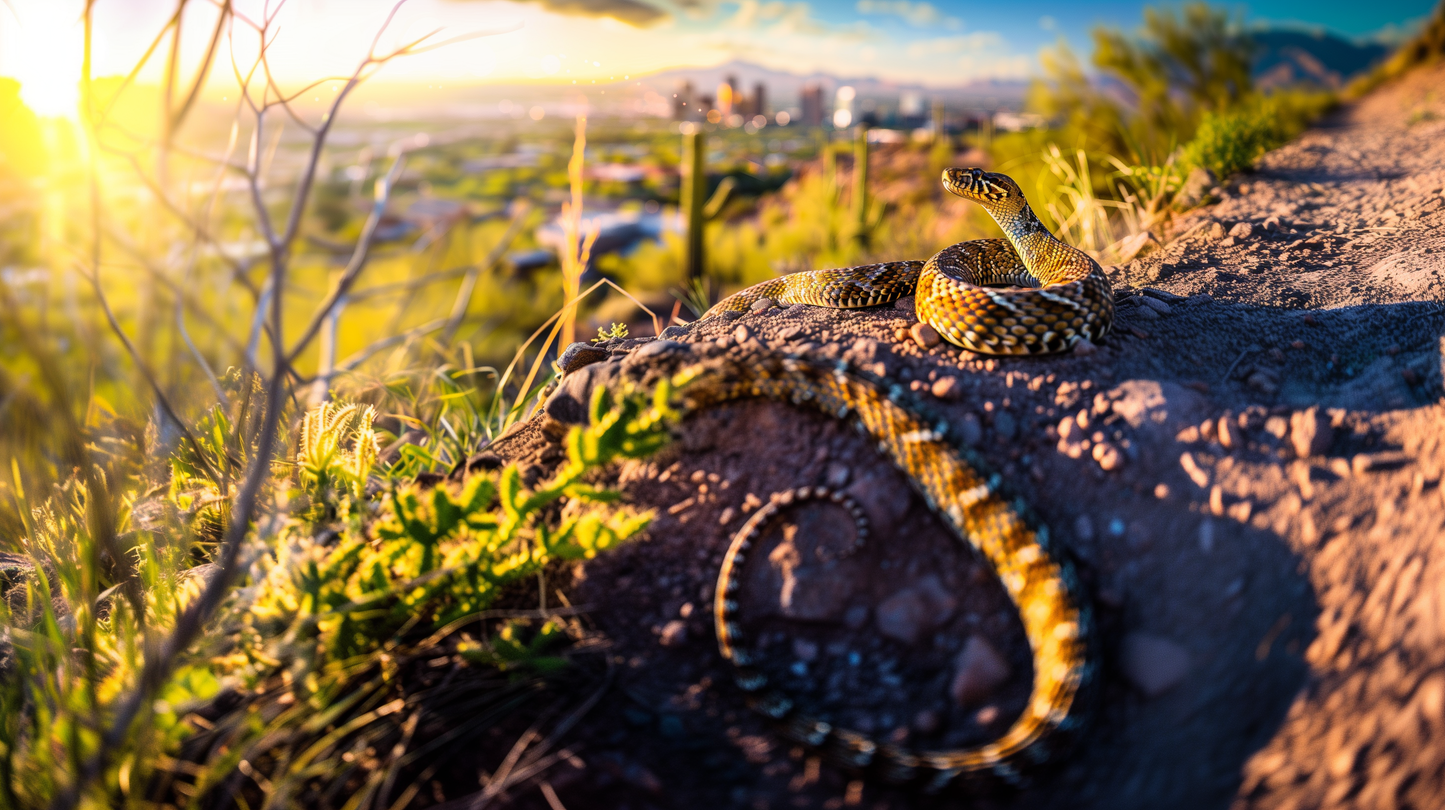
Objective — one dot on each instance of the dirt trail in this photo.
(1266, 553)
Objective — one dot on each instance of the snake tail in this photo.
(1039, 582)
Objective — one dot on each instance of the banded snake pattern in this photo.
(1028, 294)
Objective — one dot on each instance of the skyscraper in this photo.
(683, 106)
(812, 104)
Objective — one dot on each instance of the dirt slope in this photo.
(1266, 553)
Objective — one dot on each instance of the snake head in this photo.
(981, 186)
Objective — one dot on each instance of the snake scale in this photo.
(1028, 294)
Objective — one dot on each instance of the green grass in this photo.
(358, 572)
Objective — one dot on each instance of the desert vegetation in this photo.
(241, 559)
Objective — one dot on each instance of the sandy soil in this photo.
(1266, 553)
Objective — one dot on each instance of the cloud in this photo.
(919, 14)
(965, 43)
(632, 12)
(778, 17)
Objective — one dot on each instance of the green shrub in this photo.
(1231, 141)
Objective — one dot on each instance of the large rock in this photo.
(978, 671)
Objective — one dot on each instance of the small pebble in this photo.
(1083, 347)
(1206, 536)
(726, 517)
(1242, 230)
(1161, 490)
(979, 669)
(1153, 664)
(1005, 425)
(947, 388)
(673, 633)
(1310, 433)
(924, 335)
(970, 429)
(926, 722)
(837, 475)
(900, 334)
(763, 304)
(742, 333)
(1108, 456)
(1227, 432)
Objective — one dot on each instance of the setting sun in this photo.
(45, 51)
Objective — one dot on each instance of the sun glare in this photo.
(47, 58)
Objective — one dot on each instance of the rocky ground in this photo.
(1248, 472)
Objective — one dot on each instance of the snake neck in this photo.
(1038, 248)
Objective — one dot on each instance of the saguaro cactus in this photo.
(860, 184)
(694, 198)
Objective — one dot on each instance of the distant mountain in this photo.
(1288, 57)
(784, 88)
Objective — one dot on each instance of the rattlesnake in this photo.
(1027, 294)
(1063, 297)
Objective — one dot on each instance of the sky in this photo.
(939, 43)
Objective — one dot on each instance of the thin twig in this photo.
(145, 370)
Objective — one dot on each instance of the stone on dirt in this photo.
(946, 388)
(1153, 664)
(578, 355)
(673, 634)
(1310, 433)
(970, 430)
(915, 611)
(924, 335)
(978, 670)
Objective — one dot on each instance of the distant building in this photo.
(812, 104)
(759, 99)
(1008, 121)
(728, 96)
(683, 104)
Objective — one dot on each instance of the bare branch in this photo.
(358, 257)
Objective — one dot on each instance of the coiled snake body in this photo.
(1058, 295)
(1027, 294)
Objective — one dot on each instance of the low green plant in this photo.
(616, 330)
(354, 576)
(1231, 141)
